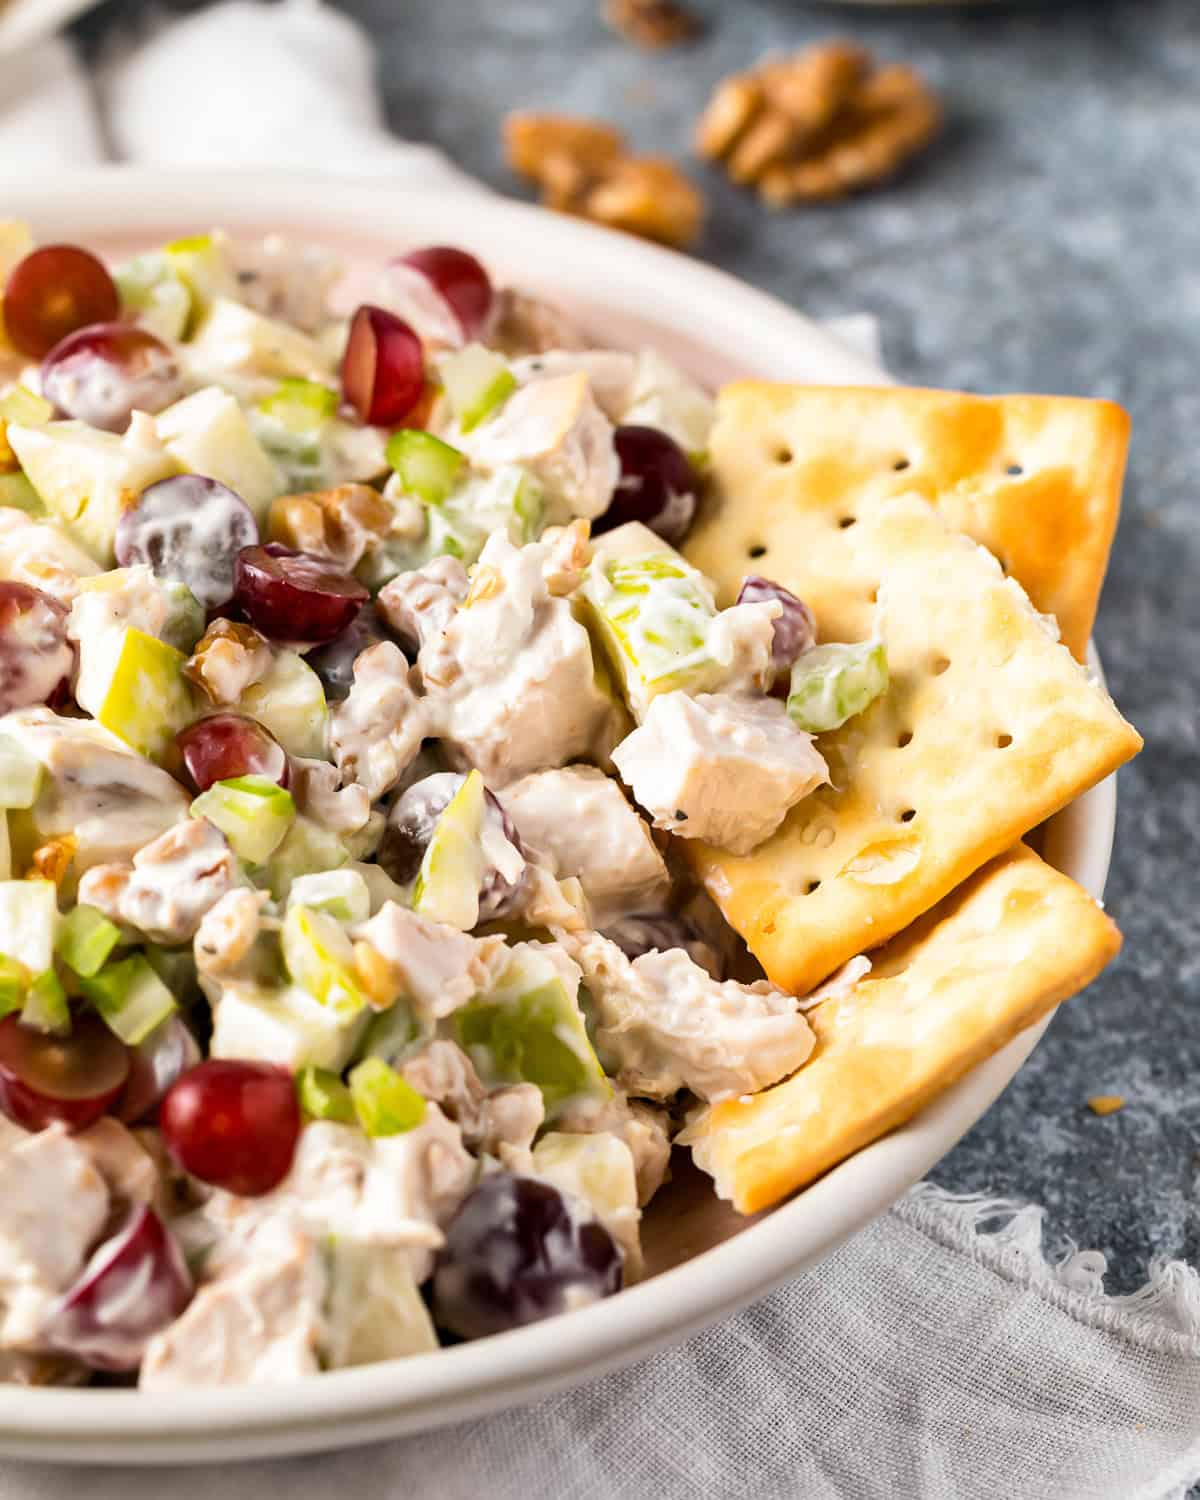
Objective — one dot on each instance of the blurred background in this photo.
(1047, 240)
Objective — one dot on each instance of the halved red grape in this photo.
(191, 529)
(223, 746)
(36, 658)
(658, 485)
(104, 373)
(135, 1283)
(517, 1251)
(383, 368)
(234, 1124)
(795, 628)
(52, 292)
(155, 1063)
(334, 663)
(293, 596)
(460, 280)
(71, 1078)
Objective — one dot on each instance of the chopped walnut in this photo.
(652, 23)
(584, 167)
(318, 796)
(420, 604)
(51, 860)
(229, 657)
(527, 325)
(170, 886)
(341, 524)
(377, 730)
(817, 125)
(570, 552)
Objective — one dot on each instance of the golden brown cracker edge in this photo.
(987, 728)
(1035, 479)
(991, 960)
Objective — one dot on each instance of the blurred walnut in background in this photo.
(821, 124)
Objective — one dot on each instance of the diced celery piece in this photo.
(28, 922)
(653, 614)
(300, 406)
(154, 291)
(477, 381)
(203, 265)
(447, 884)
(384, 1102)
(20, 774)
(833, 683)
(307, 849)
(85, 940)
(428, 468)
(530, 1029)
(290, 701)
(25, 406)
(394, 1033)
(341, 893)
(323, 1095)
(14, 981)
(46, 1007)
(130, 997)
(320, 959)
(176, 967)
(253, 812)
(148, 699)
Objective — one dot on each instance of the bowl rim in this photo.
(346, 1407)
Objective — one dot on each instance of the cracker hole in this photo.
(908, 814)
(900, 465)
(782, 454)
(758, 550)
(1014, 470)
(847, 521)
(811, 886)
(873, 596)
(1003, 741)
(904, 738)
(940, 664)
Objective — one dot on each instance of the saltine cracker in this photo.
(1035, 479)
(988, 727)
(993, 958)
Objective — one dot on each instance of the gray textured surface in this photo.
(1051, 242)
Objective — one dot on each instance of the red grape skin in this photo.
(292, 596)
(52, 292)
(103, 373)
(155, 1064)
(658, 485)
(71, 1078)
(460, 280)
(190, 529)
(36, 658)
(233, 1124)
(383, 368)
(795, 628)
(135, 1283)
(223, 746)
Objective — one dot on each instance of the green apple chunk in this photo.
(831, 684)
(320, 959)
(374, 1309)
(143, 698)
(597, 1167)
(307, 849)
(253, 812)
(342, 893)
(425, 466)
(153, 290)
(652, 615)
(477, 382)
(207, 433)
(323, 1095)
(385, 1103)
(447, 884)
(85, 477)
(20, 774)
(130, 997)
(28, 923)
(203, 264)
(530, 1029)
(290, 701)
(287, 1026)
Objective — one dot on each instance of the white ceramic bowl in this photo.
(708, 1261)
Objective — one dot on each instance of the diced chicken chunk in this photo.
(436, 967)
(170, 885)
(227, 933)
(55, 1206)
(257, 1324)
(418, 605)
(511, 680)
(229, 658)
(720, 768)
(579, 822)
(511, 1116)
(111, 801)
(377, 730)
(663, 1024)
(317, 796)
(41, 554)
(128, 1169)
(555, 429)
(610, 372)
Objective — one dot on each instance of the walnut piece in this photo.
(584, 167)
(229, 657)
(652, 23)
(817, 126)
(340, 524)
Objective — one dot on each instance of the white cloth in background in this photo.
(925, 1360)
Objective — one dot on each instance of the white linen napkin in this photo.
(937, 1356)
